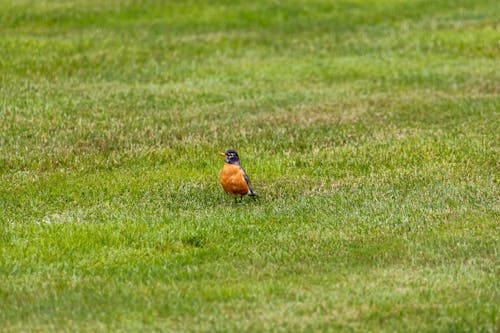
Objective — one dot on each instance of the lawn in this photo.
(370, 131)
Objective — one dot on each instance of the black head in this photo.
(231, 157)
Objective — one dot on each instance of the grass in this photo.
(370, 130)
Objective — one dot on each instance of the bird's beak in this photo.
(223, 154)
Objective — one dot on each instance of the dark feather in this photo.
(247, 179)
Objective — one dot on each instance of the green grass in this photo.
(370, 130)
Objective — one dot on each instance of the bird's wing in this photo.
(247, 179)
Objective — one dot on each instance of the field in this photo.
(369, 129)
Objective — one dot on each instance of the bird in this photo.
(234, 179)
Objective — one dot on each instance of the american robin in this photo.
(233, 178)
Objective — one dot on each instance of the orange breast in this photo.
(232, 180)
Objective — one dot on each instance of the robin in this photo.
(233, 178)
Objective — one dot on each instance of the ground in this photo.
(369, 129)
